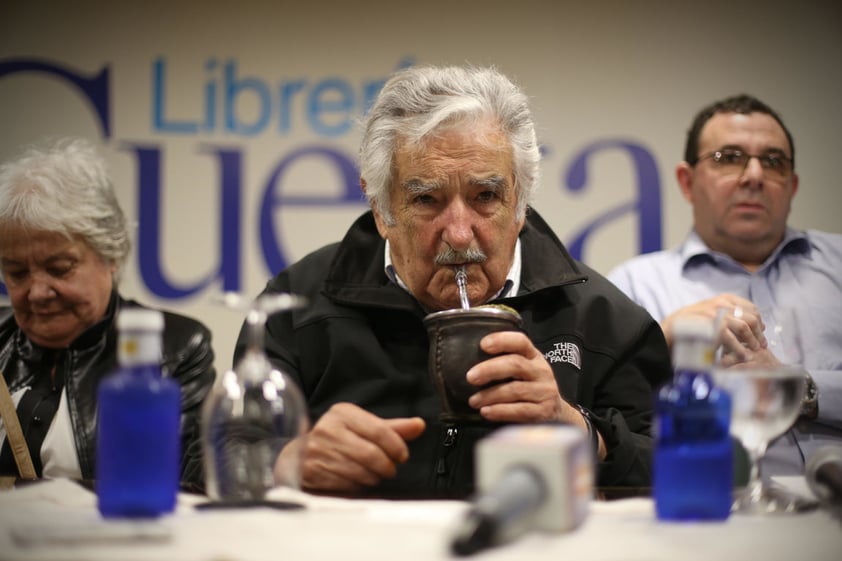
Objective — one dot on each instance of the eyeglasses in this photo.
(731, 161)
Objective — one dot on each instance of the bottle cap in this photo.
(693, 326)
(140, 319)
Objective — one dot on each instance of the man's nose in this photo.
(752, 175)
(458, 229)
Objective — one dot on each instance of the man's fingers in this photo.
(350, 447)
(514, 356)
(513, 342)
(407, 428)
(380, 432)
(341, 451)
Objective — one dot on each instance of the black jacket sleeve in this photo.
(188, 359)
(623, 409)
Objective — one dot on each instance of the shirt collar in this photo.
(694, 249)
(510, 287)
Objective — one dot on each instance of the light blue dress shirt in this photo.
(803, 273)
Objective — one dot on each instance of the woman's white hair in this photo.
(63, 186)
(416, 102)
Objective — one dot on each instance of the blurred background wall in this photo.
(231, 127)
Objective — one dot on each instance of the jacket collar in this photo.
(357, 277)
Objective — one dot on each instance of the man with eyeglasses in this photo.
(739, 176)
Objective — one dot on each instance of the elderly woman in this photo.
(63, 242)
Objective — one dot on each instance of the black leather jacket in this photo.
(187, 358)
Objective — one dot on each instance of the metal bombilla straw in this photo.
(462, 284)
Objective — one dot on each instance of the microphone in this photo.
(528, 477)
(824, 475)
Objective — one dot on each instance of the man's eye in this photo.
(772, 162)
(423, 199)
(730, 157)
(15, 274)
(487, 196)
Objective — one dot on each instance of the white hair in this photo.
(63, 186)
(418, 101)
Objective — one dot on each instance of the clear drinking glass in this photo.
(767, 388)
(783, 334)
(252, 414)
(766, 402)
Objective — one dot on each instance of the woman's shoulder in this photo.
(177, 325)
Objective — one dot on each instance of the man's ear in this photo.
(382, 228)
(684, 176)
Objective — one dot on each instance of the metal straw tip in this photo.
(462, 285)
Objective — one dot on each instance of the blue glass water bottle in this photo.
(138, 433)
(693, 471)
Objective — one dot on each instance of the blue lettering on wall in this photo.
(647, 205)
(331, 96)
(234, 88)
(210, 99)
(328, 107)
(94, 87)
(288, 92)
(273, 198)
(160, 122)
(150, 241)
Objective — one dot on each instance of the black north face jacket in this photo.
(362, 340)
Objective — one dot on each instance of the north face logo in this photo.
(565, 352)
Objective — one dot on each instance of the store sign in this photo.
(324, 109)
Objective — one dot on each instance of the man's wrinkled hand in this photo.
(740, 327)
(527, 391)
(349, 449)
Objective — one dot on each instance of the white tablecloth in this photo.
(58, 521)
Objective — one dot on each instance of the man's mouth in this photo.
(746, 205)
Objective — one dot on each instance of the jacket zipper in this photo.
(448, 444)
